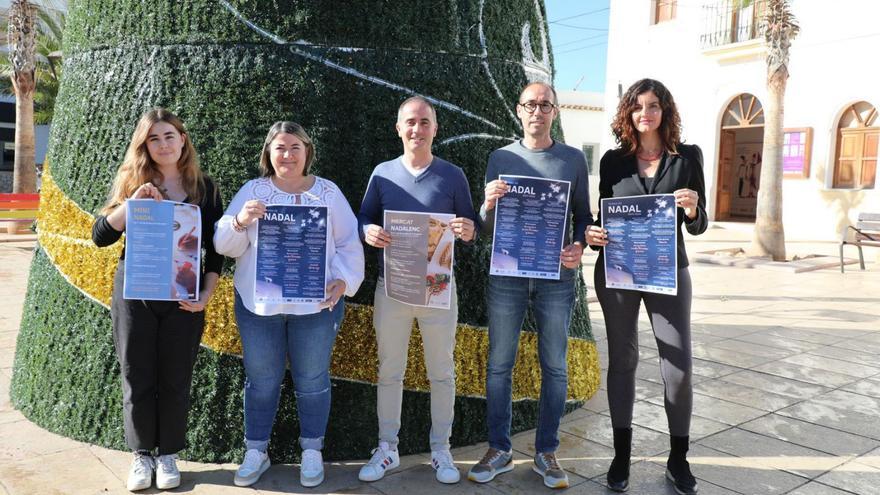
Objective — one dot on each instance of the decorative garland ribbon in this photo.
(64, 232)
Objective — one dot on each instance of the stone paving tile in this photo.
(840, 419)
(780, 342)
(646, 389)
(597, 403)
(719, 410)
(723, 330)
(11, 416)
(23, 440)
(859, 344)
(816, 488)
(773, 453)
(762, 350)
(744, 475)
(747, 322)
(848, 355)
(806, 374)
(811, 435)
(712, 369)
(58, 474)
(853, 476)
(7, 340)
(873, 338)
(646, 442)
(746, 396)
(845, 324)
(803, 335)
(871, 458)
(653, 416)
(775, 384)
(732, 358)
(850, 401)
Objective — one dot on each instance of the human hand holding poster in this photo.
(291, 255)
(419, 261)
(162, 250)
(530, 227)
(642, 251)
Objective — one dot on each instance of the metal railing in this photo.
(732, 21)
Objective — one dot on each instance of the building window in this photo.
(732, 21)
(589, 150)
(664, 10)
(858, 139)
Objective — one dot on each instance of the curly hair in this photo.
(625, 132)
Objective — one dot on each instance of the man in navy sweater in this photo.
(535, 155)
(416, 181)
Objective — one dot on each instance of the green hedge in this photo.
(229, 83)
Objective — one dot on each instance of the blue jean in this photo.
(268, 343)
(508, 300)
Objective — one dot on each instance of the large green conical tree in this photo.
(230, 69)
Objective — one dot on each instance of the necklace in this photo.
(649, 157)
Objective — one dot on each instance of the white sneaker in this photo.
(253, 466)
(140, 474)
(384, 459)
(311, 471)
(167, 474)
(443, 464)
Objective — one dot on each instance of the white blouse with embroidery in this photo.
(345, 254)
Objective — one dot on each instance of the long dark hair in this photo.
(625, 131)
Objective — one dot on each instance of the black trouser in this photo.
(671, 319)
(156, 345)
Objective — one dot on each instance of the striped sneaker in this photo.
(384, 459)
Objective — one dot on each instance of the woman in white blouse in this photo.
(273, 333)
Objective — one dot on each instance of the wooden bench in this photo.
(18, 208)
(865, 233)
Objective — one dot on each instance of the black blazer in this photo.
(619, 176)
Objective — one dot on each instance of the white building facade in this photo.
(582, 118)
(711, 56)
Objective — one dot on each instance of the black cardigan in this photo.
(619, 176)
(211, 206)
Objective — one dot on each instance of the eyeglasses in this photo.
(530, 106)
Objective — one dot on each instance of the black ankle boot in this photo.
(678, 471)
(618, 473)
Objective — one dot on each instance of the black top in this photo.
(103, 234)
(619, 176)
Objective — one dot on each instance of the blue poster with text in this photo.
(530, 222)
(162, 250)
(642, 251)
(291, 255)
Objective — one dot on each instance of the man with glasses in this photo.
(535, 155)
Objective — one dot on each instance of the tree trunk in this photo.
(769, 236)
(24, 178)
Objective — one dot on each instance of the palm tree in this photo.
(780, 27)
(49, 37)
(22, 56)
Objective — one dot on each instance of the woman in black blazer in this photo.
(650, 159)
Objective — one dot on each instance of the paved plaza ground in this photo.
(787, 398)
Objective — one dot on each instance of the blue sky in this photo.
(579, 37)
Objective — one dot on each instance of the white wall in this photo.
(584, 126)
(833, 64)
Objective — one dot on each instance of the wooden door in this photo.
(869, 160)
(725, 174)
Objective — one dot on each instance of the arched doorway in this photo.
(858, 147)
(739, 158)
